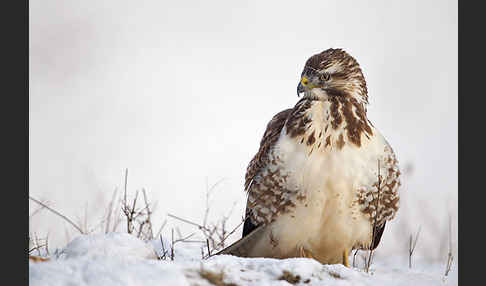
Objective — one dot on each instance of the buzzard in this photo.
(324, 181)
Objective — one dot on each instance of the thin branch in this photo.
(149, 222)
(208, 193)
(172, 246)
(230, 233)
(35, 212)
(210, 231)
(411, 247)
(183, 239)
(47, 244)
(59, 214)
(186, 221)
(207, 244)
(164, 252)
(36, 245)
(450, 257)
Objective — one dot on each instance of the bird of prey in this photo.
(324, 181)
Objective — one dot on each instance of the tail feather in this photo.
(244, 246)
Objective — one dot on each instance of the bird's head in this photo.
(333, 72)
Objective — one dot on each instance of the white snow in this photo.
(118, 245)
(122, 259)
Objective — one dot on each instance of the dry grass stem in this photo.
(149, 213)
(450, 257)
(40, 208)
(38, 244)
(411, 247)
(58, 214)
(215, 234)
(139, 220)
(164, 252)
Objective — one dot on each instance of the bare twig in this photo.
(217, 233)
(450, 257)
(186, 221)
(148, 220)
(58, 213)
(184, 239)
(411, 247)
(209, 232)
(208, 193)
(37, 245)
(139, 221)
(221, 243)
(36, 211)
(164, 252)
(47, 243)
(172, 246)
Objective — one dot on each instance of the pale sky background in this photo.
(180, 92)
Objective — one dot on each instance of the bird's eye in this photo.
(325, 76)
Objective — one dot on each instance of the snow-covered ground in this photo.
(121, 259)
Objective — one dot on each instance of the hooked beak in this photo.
(300, 89)
(302, 84)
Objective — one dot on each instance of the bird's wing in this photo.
(259, 163)
(257, 177)
(384, 193)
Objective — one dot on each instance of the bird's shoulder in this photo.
(268, 141)
(266, 179)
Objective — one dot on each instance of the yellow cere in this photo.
(304, 81)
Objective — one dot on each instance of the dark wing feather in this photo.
(248, 226)
(389, 198)
(270, 137)
(378, 232)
